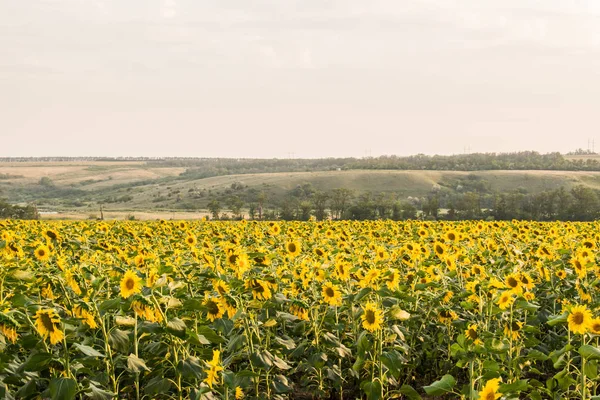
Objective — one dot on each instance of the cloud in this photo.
(169, 9)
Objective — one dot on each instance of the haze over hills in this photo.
(130, 185)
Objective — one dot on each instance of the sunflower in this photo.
(512, 330)
(595, 326)
(439, 249)
(529, 296)
(9, 332)
(293, 248)
(261, 289)
(451, 236)
(213, 369)
(447, 316)
(579, 265)
(526, 281)
(85, 316)
(130, 284)
(239, 393)
(51, 234)
(342, 270)
(447, 296)
(505, 300)
(331, 294)
(513, 282)
(275, 229)
(393, 279)
(190, 239)
(214, 308)
(562, 274)
(471, 333)
(48, 325)
(299, 312)
(490, 390)
(580, 319)
(221, 287)
(42, 253)
(372, 317)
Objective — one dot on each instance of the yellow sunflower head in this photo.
(130, 284)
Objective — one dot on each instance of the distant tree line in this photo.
(11, 211)
(204, 167)
(472, 199)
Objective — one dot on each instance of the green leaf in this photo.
(490, 365)
(109, 305)
(281, 384)
(136, 364)
(88, 351)
(262, 359)
(409, 392)
(95, 393)
(589, 352)
(157, 385)
(557, 319)
(515, 387)
(27, 390)
(119, 340)
(190, 368)
(591, 369)
(527, 306)
(392, 361)
(441, 387)
(37, 362)
(63, 389)
(281, 364)
(176, 327)
(372, 390)
(288, 343)
(537, 355)
(209, 334)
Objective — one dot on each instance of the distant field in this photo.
(78, 189)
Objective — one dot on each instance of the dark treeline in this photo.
(474, 201)
(11, 211)
(204, 167)
(526, 160)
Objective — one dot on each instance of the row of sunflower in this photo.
(299, 310)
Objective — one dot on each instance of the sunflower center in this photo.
(439, 249)
(213, 307)
(329, 292)
(292, 248)
(578, 318)
(512, 282)
(370, 316)
(129, 284)
(490, 396)
(47, 322)
(41, 253)
(472, 334)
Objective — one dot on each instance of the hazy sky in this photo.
(316, 78)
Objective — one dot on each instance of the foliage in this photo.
(275, 310)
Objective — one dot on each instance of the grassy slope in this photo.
(97, 180)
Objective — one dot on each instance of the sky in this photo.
(297, 78)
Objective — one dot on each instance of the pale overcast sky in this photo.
(316, 78)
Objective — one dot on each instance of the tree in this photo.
(235, 205)
(215, 208)
(320, 203)
(340, 201)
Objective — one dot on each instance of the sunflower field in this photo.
(299, 310)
